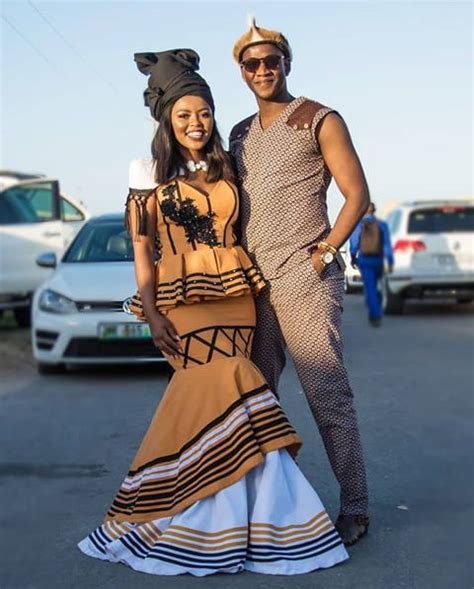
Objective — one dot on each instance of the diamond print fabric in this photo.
(283, 182)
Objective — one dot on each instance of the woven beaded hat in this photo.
(257, 36)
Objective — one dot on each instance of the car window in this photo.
(101, 242)
(447, 219)
(69, 212)
(33, 203)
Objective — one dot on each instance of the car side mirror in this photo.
(47, 260)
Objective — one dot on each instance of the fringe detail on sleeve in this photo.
(139, 197)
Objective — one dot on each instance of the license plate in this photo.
(446, 260)
(124, 331)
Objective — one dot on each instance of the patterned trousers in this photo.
(302, 311)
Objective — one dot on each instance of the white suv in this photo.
(433, 244)
(34, 218)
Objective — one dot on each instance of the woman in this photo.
(212, 487)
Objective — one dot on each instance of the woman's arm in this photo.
(141, 222)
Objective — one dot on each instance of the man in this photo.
(285, 156)
(370, 246)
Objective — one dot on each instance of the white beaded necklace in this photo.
(195, 166)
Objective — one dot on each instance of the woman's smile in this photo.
(198, 135)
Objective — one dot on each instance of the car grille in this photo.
(99, 306)
(45, 340)
(91, 347)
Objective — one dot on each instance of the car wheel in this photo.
(46, 369)
(392, 304)
(348, 289)
(23, 316)
(464, 300)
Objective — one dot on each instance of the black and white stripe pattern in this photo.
(270, 521)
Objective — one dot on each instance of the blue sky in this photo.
(399, 72)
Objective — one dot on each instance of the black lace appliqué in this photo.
(184, 213)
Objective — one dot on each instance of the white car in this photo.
(34, 217)
(80, 313)
(352, 277)
(433, 244)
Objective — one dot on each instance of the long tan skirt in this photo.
(216, 421)
(213, 488)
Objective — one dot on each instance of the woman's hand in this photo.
(164, 335)
(318, 265)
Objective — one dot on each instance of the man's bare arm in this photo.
(344, 164)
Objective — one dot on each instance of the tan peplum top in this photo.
(197, 255)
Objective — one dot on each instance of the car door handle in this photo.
(52, 233)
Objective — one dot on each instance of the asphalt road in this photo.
(66, 442)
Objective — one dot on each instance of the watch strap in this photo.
(327, 247)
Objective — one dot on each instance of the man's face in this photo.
(266, 82)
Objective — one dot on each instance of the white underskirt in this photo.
(271, 521)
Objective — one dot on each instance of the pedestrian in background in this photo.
(370, 248)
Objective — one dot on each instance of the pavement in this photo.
(66, 442)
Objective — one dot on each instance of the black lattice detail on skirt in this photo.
(225, 341)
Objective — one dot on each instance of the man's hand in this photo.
(164, 335)
(389, 269)
(318, 265)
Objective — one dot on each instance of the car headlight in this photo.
(53, 302)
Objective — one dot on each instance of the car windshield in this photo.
(101, 242)
(447, 219)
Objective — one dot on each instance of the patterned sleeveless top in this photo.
(197, 254)
(283, 181)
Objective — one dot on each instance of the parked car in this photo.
(433, 243)
(34, 217)
(352, 277)
(80, 313)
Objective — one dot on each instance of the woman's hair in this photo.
(168, 157)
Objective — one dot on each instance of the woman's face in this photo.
(192, 122)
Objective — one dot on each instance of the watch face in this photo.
(328, 257)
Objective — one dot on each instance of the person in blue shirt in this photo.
(370, 248)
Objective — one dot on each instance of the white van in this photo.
(34, 218)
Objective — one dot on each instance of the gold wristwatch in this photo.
(328, 252)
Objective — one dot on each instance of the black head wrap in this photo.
(172, 75)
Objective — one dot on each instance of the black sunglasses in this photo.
(271, 62)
